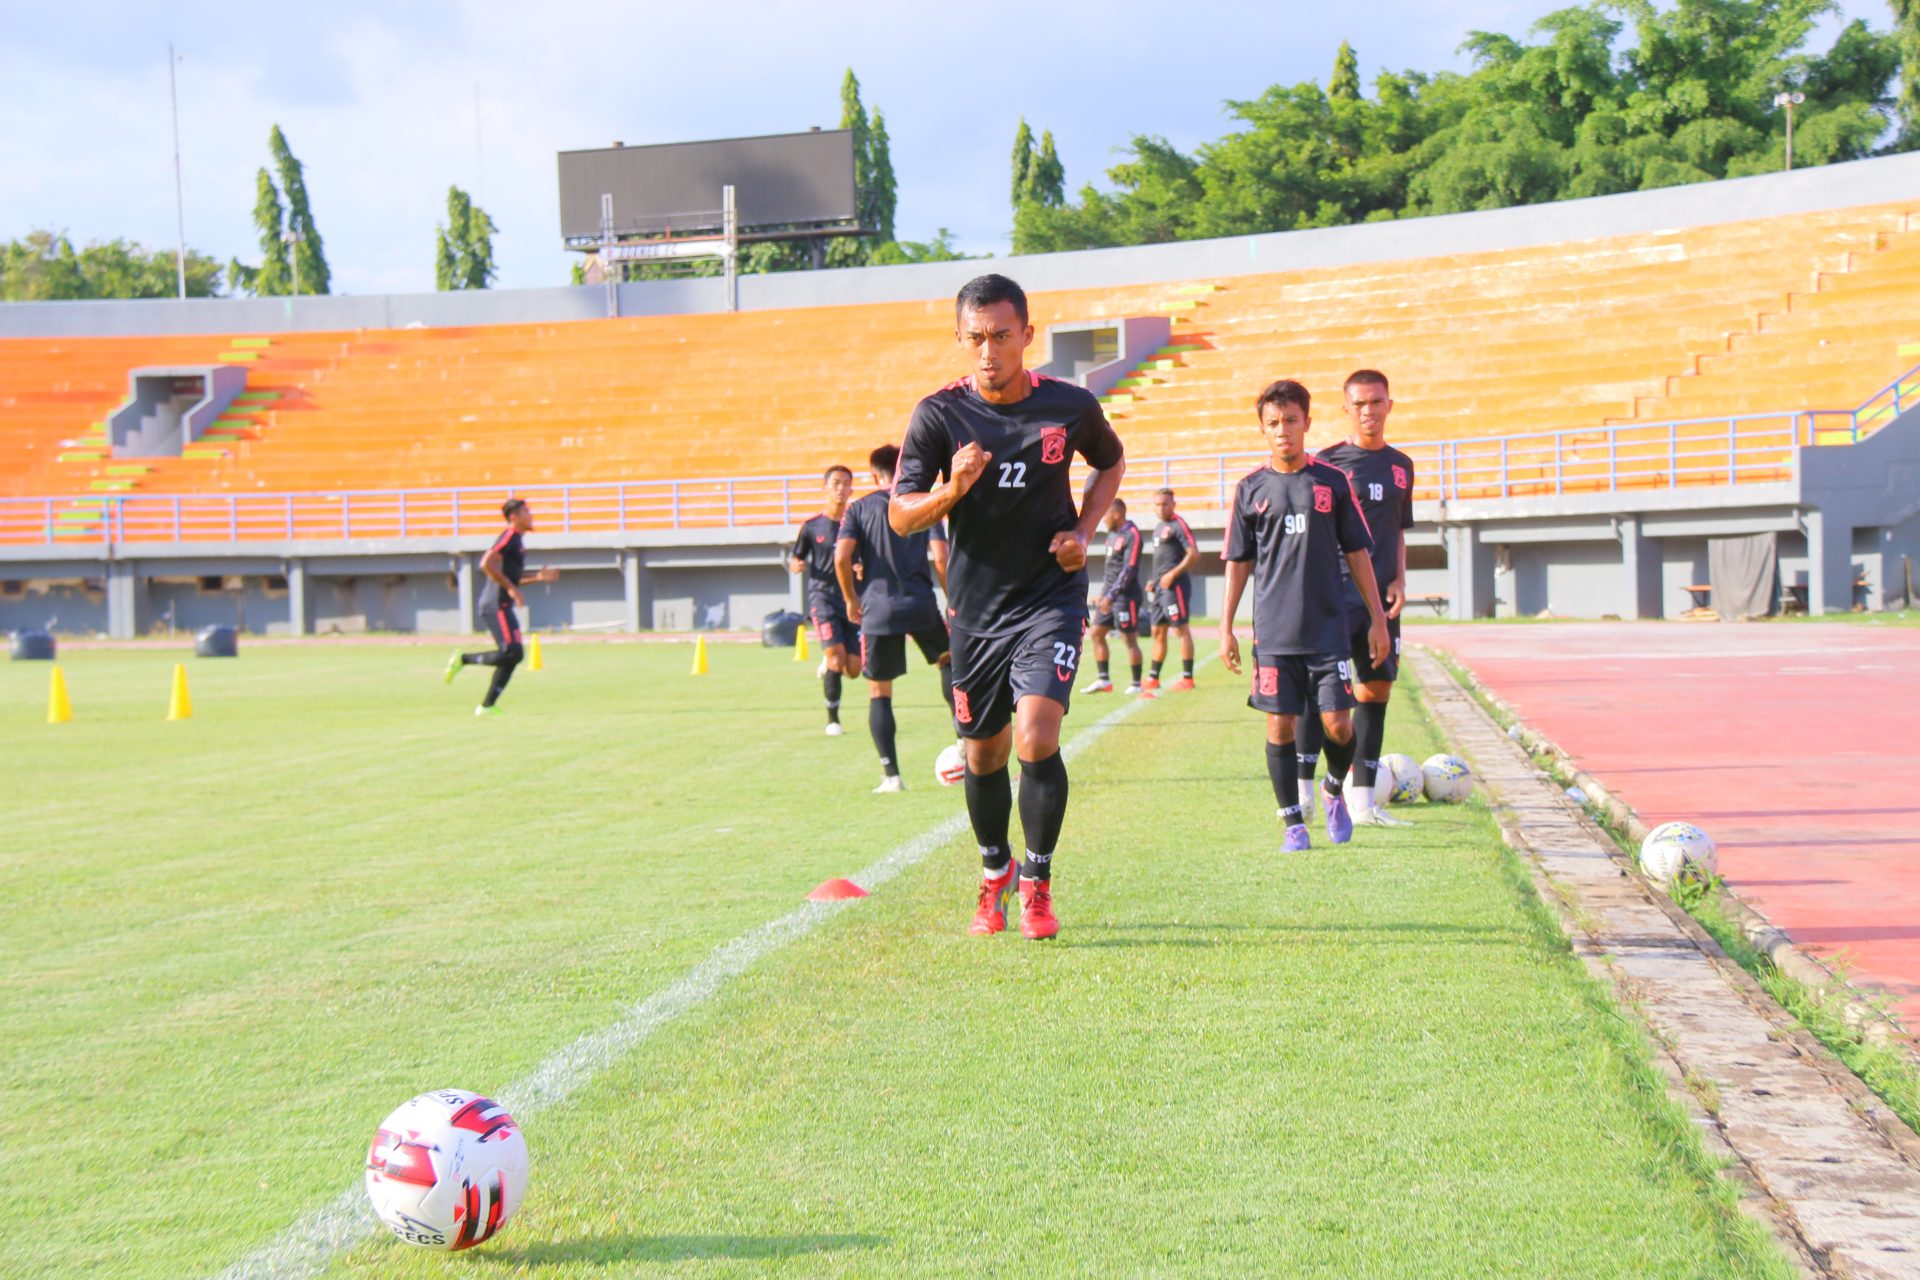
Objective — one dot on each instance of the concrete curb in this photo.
(1860, 1015)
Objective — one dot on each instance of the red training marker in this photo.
(836, 891)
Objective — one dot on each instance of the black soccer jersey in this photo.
(814, 544)
(1171, 542)
(896, 595)
(1295, 527)
(1122, 577)
(513, 563)
(1001, 575)
(1383, 485)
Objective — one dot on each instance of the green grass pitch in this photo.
(232, 944)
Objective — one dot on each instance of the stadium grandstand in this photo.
(1589, 395)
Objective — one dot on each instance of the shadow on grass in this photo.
(674, 1248)
(1194, 934)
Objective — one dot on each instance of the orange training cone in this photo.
(179, 704)
(59, 709)
(534, 662)
(699, 655)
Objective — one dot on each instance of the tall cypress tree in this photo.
(885, 189)
(270, 278)
(1047, 178)
(1022, 163)
(309, 253)
(1906, 36)
(1345, 84)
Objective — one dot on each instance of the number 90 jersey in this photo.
(1000, 575)
(1296, 527)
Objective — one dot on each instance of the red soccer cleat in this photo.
(995, 895)
(1037, 920)
(1183, 684)
(1150, 683)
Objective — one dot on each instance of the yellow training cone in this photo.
(59, 709)
(179, 705)
(700, 655)
(800, 653)
(533, 655)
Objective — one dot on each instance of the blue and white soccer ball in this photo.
(1409, 784)
(1449, 779)
(1678, 853)
(447, 1169)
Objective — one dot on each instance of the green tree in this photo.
(271, 279)
(1345, 84)
(1022, 163)
(44, 267)
(897, 252)
(885, 194)
(1047, 180)
(1906, 37)
(309, 254)
(463, 246)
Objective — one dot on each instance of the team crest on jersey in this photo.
(1322, 499)
(1399, 476)
(1053, 445)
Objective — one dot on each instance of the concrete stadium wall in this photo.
(1837, 186)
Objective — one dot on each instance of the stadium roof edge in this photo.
(1861, 182)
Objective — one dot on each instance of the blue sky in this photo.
(381, 102)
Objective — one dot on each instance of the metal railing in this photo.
(1738, 449)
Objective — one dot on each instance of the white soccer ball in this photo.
(1448, 778)
(950, 766)
(1678, 852)
(1408, 782)
(447, 1169)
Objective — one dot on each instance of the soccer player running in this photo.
(1174, 554)
(1382, 478)
(990, 454)
(1120, 600)
(895, 600)
(505, 566)
(1291, 522)
(812, 554)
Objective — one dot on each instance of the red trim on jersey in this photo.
(501, 541)
(507, 629)
(1192, 542)
(1133, 557)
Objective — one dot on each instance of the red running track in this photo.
(1795, 745)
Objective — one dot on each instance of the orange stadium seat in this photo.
(1804, 311)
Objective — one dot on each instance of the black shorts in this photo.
(830, 625)
(1124, 616)
(992, 673)
(1290, 684)
(885, 657)
(1170, 607)
(502, 623)
(1364, 670)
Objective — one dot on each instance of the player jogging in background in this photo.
(1120, 601)
(1382, 479)
(1171, 588)
(1291, 522)
(812, 555)
(504, 564)
(990, 454)
(894, 601)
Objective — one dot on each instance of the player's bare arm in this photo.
(1360, 564)
(1395, 596)
(843, 570)
(1069, 546)
(939, 550)
(1238, 571)
(1174, 574)
(915, 512)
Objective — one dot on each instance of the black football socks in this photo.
(990, 807)
(1339, 760)
(1286, 787)
(1043, 807)
(1369, 735)
(880, 725)
(1309, 736)
(830, 682)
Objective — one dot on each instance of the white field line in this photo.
(309, 1244)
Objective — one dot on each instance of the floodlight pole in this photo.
(1789, 101)
(606, 255)
(730, 255)
(179, 200)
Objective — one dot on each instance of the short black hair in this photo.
(836, 469)
(512, 506)
(884, 460)
(1120, 505)
(1283, 392)
(1366, 377)
(985, 291)
(1163, 489)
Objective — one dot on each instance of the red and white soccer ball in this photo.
(447, 1169)
(1449, 779)
(950, 766)
(1408, 782)
(1678, 853)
